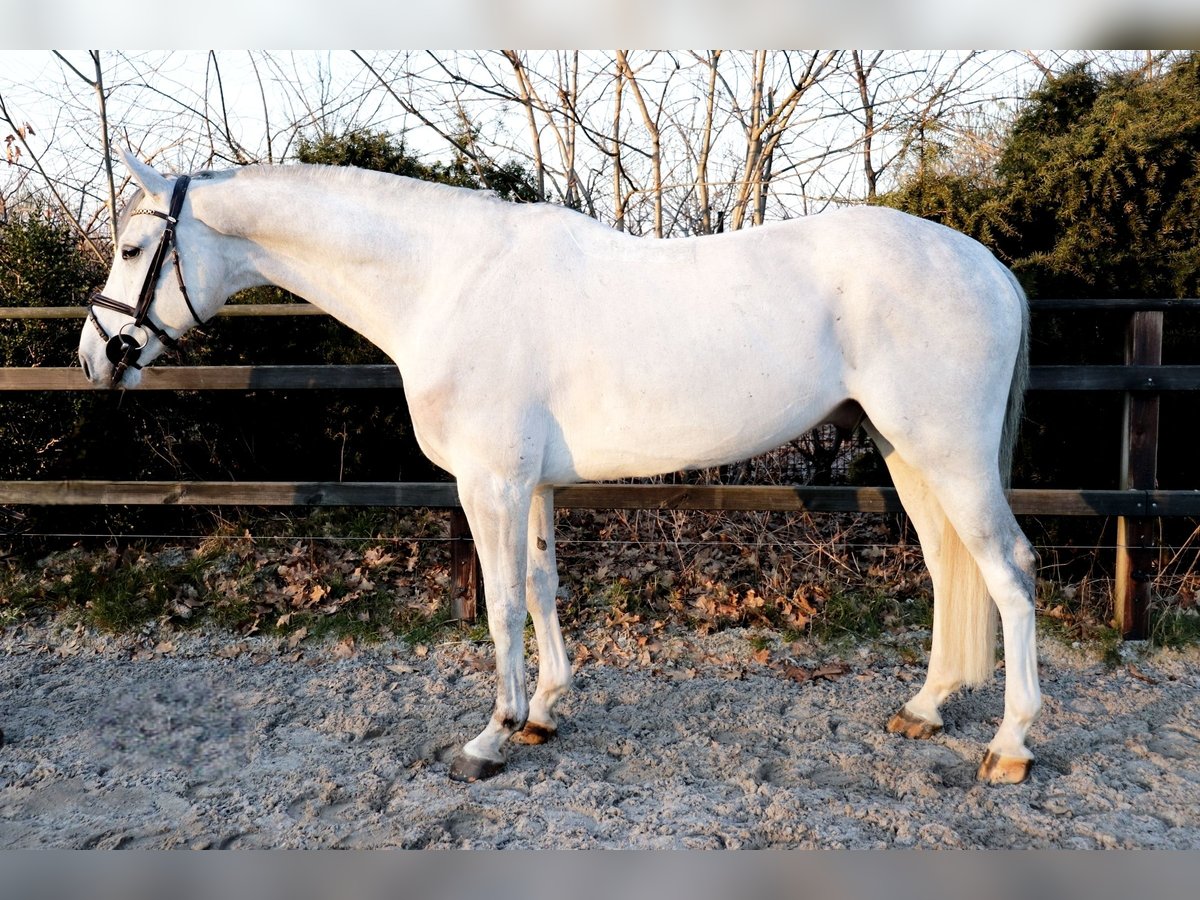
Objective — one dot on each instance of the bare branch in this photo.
(49, 182)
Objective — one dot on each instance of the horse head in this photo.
(159, 286)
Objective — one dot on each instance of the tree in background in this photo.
(367, 148)
(1102, 185)
(1096, 192)
(41, 264)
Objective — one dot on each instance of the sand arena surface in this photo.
(217, 741)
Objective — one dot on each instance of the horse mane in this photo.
(369, 178)
(379, 182)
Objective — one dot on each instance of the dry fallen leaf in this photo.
(296, 637)
(797, 673)
(1141, 676)
(831, 671)
(232, 650)
(344, 649)
(477, 662)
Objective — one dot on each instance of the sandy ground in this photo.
(112, 745)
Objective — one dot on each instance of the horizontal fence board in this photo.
(230, 493)
(1125, 304)
(1174, 503)
(829, 499)
(580, 496)
(1066, 502)
(1114, 378)
(385, 375)
(212, 378)
(237, 310)
(727, 497)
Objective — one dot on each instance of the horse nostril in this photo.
(87, 370)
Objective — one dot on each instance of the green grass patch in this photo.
(112, 596)
(868, 614)
(1175, 627)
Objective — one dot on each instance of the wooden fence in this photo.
(1138, 504)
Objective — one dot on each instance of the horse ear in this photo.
(151, 182)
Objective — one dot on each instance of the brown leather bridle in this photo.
(124, 348)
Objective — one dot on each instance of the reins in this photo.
(125, 347)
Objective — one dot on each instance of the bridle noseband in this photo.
(124, 347)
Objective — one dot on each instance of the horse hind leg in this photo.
(980, 514)
(541, 587)
(920, 717)
(976, 554)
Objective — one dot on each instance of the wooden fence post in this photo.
(466, 580)
(1137, 538)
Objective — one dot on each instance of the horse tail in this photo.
(1016, 390)
(965, 626)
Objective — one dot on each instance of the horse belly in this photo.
(631, 434)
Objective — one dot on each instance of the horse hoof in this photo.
(997, 769)
(911, 726)
(533, 733)
(469, 768)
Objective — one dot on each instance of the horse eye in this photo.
(130, 252)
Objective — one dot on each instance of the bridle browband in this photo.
(124, 347)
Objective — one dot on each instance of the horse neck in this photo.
(352, 246)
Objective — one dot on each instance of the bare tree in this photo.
(862, 74)
(706, 141)
(651, 121)
(770, 114)
(22, 133)
(651, 142)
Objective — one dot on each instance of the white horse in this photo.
(539, 347)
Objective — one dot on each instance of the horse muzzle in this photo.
(123, 350)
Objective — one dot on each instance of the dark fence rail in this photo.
(1132, 378)
(1138, 505)
(756, 498)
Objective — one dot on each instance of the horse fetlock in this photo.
(513, 723)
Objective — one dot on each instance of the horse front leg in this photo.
(541, 589)
(497, 510)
